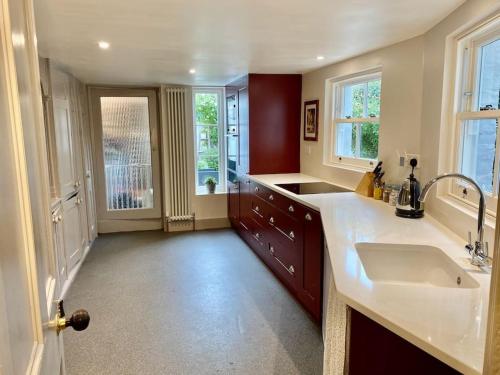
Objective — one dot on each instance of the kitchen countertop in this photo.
(448, 323)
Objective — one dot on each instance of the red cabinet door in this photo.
(233, 202)
(312, 262)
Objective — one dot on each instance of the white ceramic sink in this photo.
(416, 264)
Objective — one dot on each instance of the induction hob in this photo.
(312, 188)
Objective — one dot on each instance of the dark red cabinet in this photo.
(288, 237)
(267, 108)
(268, 130)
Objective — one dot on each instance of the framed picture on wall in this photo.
(311, 120)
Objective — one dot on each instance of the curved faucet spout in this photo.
(482, 207)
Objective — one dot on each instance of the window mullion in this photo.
(358, 139)
(497, 161)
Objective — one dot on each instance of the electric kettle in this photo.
(408, 204)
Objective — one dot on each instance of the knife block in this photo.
(365, 186)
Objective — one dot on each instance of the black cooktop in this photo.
(312, 188)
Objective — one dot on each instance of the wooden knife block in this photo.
(365, 186)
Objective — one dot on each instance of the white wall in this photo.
(412, 117)
(401, 97)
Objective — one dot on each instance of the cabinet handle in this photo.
(271, 220)
(291, 208)
(271, 250)
(59, 218)
(271, 198)
(257, 208)
(257, 235)
(308, 217)
(291, 269)
(55, 219)
(256, 188)
(292, 235)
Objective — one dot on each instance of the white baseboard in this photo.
(113, 226)
(72, 274)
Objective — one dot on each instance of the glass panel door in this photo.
(126, 145)
(127, 153)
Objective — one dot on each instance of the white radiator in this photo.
(177, 189)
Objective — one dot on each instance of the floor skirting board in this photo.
(72, 274)
(133, 225)
(200, 224)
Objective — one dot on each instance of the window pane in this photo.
(206, 108)
(353, 100)
(346, 139)
(127, 152)
(489, 76)
(208, 153)
(478, 151)
(374, 98)
(369, 140)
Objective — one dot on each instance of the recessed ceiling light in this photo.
(103, 45)
(320, 57)
(192, 71)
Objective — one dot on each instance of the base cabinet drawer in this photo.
(288, 237)
(285, 263)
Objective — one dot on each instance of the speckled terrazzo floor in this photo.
(190, 304)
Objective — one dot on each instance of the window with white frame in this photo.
(208, 120)
(476, 113)
(355, 120)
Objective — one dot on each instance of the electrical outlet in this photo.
(408, 157)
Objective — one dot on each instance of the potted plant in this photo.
(211, 183)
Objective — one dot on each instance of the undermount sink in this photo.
(415, 264)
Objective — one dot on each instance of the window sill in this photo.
(202, 191)
(350, 167)
(467, 209)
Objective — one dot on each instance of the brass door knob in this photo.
(79, 320)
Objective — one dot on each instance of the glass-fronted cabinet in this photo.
(232, 137)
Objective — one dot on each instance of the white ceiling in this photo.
(158, 41)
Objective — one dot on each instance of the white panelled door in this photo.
(30, 318)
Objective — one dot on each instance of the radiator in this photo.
(177, 192)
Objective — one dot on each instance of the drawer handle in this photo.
(257, 235)
(308, 217)
(257, 208)
(292, 235)
(291, 209)
(257, 188)
(271, 220)
(291, 269)
(271, 250)
(271, 198)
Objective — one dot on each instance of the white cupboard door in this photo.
(72, 232)
(64, 144)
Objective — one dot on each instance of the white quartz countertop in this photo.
(448, 323)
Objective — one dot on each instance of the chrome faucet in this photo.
(478, 250)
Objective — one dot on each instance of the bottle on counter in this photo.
(387, 193)
(378, 190)
(393, 198)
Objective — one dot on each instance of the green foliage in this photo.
(210, 181)
(369, 141)
(206, 109)
(373, 98)
(369, 132)
(206, 114)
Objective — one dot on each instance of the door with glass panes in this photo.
(125, 125)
